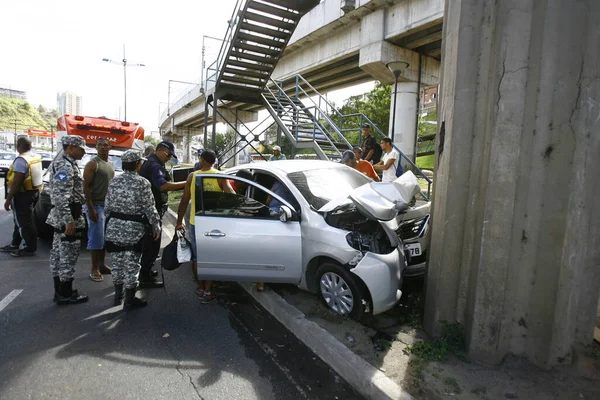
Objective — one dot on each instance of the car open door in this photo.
(239, 238)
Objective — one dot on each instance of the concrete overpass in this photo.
(333, 49)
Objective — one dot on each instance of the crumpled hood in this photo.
(378, 200)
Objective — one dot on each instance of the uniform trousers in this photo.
(125, 268)
(63, 256)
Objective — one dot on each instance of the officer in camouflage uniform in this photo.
(130, 211)
(66, 217)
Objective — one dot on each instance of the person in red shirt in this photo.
(349, 158)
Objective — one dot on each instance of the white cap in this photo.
(276, 148)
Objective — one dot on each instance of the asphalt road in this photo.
(176, 348)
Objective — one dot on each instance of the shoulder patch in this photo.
(61, 175)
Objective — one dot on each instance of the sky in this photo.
(52, 46)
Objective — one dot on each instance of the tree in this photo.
(223, 142)
(151, 141)
(374, 104)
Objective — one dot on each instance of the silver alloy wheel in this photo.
(337, 293)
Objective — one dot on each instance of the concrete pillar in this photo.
(515, 248)
(406, 116)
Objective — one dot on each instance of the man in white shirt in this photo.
(390, 161)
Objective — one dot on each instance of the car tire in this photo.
(340, 291)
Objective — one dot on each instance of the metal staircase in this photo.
(258, 33)
(309, 120)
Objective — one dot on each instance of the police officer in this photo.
(130, 212)
(154, 171)
(24, 181)
(66, 217)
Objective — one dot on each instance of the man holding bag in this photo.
(130, 211)
(207, 160)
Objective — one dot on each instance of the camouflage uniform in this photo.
(66, 193)
(128, 194)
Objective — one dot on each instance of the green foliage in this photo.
(426, 162)
(426, 127)
(374, 104)
(151, 141)
(223, 142)
(450, 343)
(26, 116)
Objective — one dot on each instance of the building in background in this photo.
(16, 94)
(69, 103)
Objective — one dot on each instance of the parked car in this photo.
(6, 160)
(337, 234)
(43, 206)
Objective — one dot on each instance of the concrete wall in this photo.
(515, 251)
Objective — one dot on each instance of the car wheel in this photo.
(340, 291)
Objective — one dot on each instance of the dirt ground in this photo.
(385, 342)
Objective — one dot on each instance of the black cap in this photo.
(169, 145)
(348, 155)
(366, 126)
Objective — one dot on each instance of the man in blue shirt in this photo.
(154, 170)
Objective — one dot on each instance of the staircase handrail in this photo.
(223, 51)
(297, 109)
(324, 114)
(300, 77)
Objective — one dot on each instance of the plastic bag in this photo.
(184, 249)
(169, 256)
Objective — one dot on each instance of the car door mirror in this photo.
(285, 214)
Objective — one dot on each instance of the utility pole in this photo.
(16, 134)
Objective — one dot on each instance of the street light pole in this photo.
(396, 67)
(125, 65)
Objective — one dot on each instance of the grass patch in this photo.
(426, 162)
(450, 343)
(174, 198)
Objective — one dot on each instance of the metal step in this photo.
(257, 83)
(246, 72)
(261, 40)
(257, 49)
(263, 19)
(256, 67)
(264, 30)
(255, 57)
(268, 9)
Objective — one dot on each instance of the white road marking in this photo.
(8, 299)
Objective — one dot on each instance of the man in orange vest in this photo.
(24, 182)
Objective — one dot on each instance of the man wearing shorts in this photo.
(97, 174)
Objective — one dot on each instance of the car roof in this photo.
(290, 166)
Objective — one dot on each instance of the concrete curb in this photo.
(366, 379)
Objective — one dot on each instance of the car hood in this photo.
(378, 200)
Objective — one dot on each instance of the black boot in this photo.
(56, 285)
(118, 295)
(148, 281)
(66, 295)
(132, 302)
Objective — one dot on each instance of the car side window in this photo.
(212, 201)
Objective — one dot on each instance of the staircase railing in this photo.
(213, 71)
(322, 131)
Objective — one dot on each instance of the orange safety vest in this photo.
(34, 178)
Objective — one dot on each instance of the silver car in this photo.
(320, 225)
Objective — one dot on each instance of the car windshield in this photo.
(320, 186)
(115, 160)
(7, 156)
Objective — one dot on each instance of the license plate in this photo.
(414, 249)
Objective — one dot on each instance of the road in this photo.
(176, 348)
